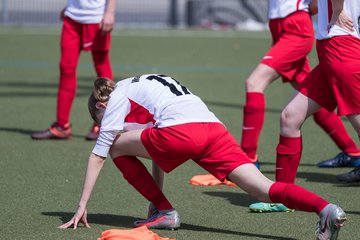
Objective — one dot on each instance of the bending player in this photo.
(183, 129)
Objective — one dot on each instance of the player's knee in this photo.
(259, 80)
(67, 67)
(289, 119)
(114, 152)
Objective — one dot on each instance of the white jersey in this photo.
(351, 9)
(148, 100)
(283, 8)
(85, 11)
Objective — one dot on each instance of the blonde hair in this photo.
(101, 92)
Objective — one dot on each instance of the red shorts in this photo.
(335, 82)
(210, 145)
(293, 39)
(87, 37)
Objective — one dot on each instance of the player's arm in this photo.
(339, 16)
(108, 21)
(313, 7)
(94, 166)
(62, 14)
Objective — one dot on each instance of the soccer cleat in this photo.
(94, 132)
(340, 160)
(55, 131)
(261, 207)
(352, 176)
(332, 218)
(161, 219)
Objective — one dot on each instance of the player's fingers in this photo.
(107, 28)
(84, 220)
(349, 26)
(76, 222)
(86, 224)
(66, 225)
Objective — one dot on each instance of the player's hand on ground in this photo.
(80, 216)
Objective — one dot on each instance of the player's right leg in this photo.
(254, 109)
(70, 50)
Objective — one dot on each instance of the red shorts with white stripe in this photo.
(293, 39)
(335, 81)
(88, 37)
(210, 145)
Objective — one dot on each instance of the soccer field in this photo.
(41, 180)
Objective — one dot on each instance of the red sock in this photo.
(138, 176)
(288, 158)
(296, 197)
(102, 64)
(67, 84)
(335, 128)
(253, 120)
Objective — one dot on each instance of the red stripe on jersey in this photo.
(329, 10)
(297, 5)
(138, 114)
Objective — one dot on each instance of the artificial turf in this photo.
(41, 180)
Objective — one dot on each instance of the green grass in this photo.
(41, 180)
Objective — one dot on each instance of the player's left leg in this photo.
(334, 127)
(123, 152)
(290, 142)
(251, 180)
(101, 60)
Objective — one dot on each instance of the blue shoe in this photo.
(350, 177)
(340, 160)
(261, 207)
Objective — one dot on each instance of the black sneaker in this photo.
(340, 160)
(352, 176)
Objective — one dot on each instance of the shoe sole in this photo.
(348, 181)
(164, 228)
(51, 138)
(160, 226)
(268, 211)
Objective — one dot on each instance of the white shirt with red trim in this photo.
(85, 11)
(145, 101)
(351, 9)
(283, 8)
